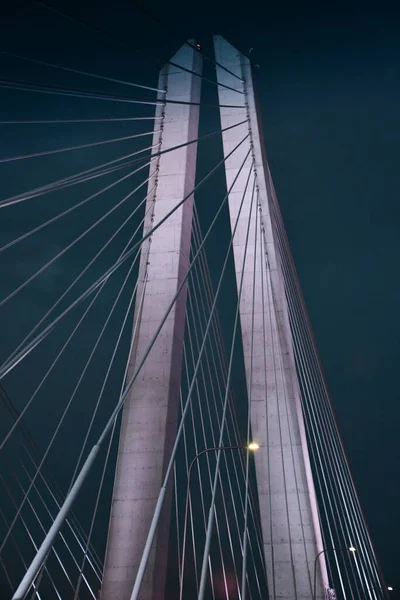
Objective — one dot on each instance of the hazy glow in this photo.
(352, 549)
(253, 446)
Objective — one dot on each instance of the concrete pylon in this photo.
(289, 515)
(149, 419)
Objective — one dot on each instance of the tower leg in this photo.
(149, 418)
(290, 523)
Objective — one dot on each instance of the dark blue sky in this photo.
(330, 95)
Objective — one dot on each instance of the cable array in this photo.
(78, 229)
(351, 559)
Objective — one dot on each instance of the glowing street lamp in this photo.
(253, 446)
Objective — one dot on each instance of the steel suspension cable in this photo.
(18, 419)
(326, 399)
(333, 485)
(30, 448)
(79, 72)
(59, 216)
(26, 528)
(77, 239)
(125, 43)
(210, 523)
(329, 467)
(203, 428)
(213, 437)
(86, 268)
(211, 377)
(196, 449)
(54, 551)
(324, 422)
(250, 396)
(285, 348)
(79, 93)
(329, 483)
(221, 360)
(79, 147)
(94, 515)
(192, 527)
(49, 512)
(61, 121)
(307, 328)
(200, 284)
(52, 533)
(92, 174)
(9, 365)
(18, 550)
(111, 360)
(264, 260)
(61, 420)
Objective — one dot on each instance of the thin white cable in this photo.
(57, 217)
(43, 501)
(203, 577)
(89, 264)
(213, 422)
(65, 412)
(18, 550)
(71, 148)
(193, 520)
(7, 366)
(249, 403)
(323, 420)
(80, 72)
(38, 519)
(214, 377)
(31, 539)
(37, 563)
(220, 359)
(101, 484)
(77, 239)
(196, 369)
(79, 177)
(60, 121)
(96, 567)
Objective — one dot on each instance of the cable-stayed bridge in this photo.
(166, 426)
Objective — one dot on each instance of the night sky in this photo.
(329, 90)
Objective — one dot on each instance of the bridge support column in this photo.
(289, 515)
(149, 418)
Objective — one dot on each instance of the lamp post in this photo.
(251, 447)
(349, 549)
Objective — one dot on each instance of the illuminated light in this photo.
(390, 589)
(253, 446)
(198, 46)
(352, 549)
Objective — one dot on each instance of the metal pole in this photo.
(315, 573)
(215, 449)
(316, 560)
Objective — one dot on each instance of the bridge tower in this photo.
(289, 514)
(149, 419)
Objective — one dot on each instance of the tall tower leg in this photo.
(149, 419)
(289, 515)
